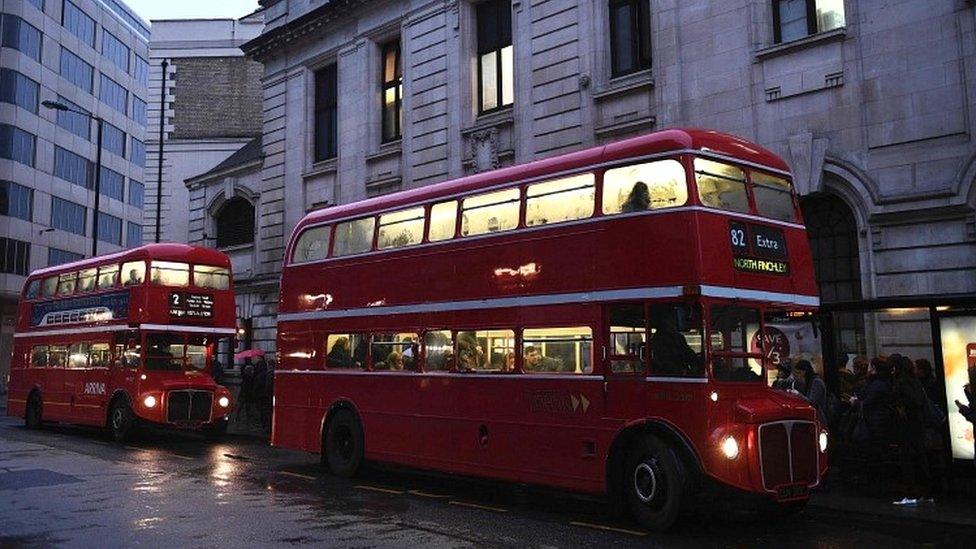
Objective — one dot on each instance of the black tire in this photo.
(656, 483)
(343, 445)
(215, 431)
(121, 421)
(34, 414)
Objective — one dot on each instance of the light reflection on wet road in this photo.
(71, 486)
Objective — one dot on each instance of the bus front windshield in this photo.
(176, 352)
(735, 343)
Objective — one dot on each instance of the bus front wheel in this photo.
(33, 416)
(121, 420)
(343, 445)
(655, 483)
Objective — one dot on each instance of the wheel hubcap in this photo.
(117, 418)
(645, 481)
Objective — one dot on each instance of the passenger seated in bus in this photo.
(534, 361)
(508, 365)
(638, 200)
(470, 355)
(133, 278)
(339, 355)
(394, 362)
(670, 353)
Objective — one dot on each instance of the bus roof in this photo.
(164, 252)
(678, 139)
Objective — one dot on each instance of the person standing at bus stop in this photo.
(968, 410)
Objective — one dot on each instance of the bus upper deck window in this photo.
(490, 212)
(773, 196)
(560, 200)
(401, 228)
(49, 288)
(108, 276)
(354, 237)
(215, 278)
(133, 273)
(86, 280)
(66, 283)
(169, 273)
(443, 221)
(312, 245)
(721, 185)
(33, 289)
(647, 186)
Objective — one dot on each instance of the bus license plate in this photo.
(793, 491)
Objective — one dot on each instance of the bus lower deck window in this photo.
(486, 350)
(438, 350)
(558, 350)
(345, 351)
(394, 351)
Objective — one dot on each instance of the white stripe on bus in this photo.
(118, 328)
(553, 299)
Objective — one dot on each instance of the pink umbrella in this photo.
(250, 353)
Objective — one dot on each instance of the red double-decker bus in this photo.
(594, 321)
(125, 339)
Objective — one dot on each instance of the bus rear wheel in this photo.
(655, 483)
(120, 420)
(33, 415)
(343, 445)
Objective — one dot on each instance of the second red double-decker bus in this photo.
(594, 321)
(124, 339)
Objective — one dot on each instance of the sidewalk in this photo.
(243, 427)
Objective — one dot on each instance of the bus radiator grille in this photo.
(788, 454)
(188, 406)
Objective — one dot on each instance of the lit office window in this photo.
(392, 91)
(496, 87)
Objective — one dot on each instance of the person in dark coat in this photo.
(909, 402)
(340, 355)
(968, 410)
(245, 398)
(811, 387)
(873, 401)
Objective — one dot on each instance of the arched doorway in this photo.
(832, 231)
(235, 223)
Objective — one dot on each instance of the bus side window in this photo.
(647, 186)
(78, 356)
(402, 228)
(485, 351)
(443, 221)
(345, 351)
(721, 185)
(39, 356)
(558, 350)
(133, 273)
(33, 289)
(57, 356)
(354, 237)
(438, 350)
(87, 279)
(128, 351)
(628, 334)
(100, 355)
(394, 351)
(108, 276)
(560, 200)
(490, 212)
(313, 244)
(676, 341)
(49, 287)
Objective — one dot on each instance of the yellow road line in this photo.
(428, 495)
(609, 528)
(378, 489)
(476, 506)
(298, 475)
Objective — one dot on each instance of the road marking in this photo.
(133, 448)
(609, 528)
(237, 457)
(298, 475)
(476, 506)
(428, 495)
(181, 456)
(378, 489)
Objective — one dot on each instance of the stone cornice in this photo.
(289, 32)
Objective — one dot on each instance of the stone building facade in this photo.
(869, 101)
(89, 55)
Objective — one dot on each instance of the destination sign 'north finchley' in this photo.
(187, 305)
(758, 249)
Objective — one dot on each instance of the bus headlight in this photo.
(223, 402)
(149, 401)
(823, 442)
(730, 447)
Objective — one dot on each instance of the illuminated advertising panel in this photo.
(959, 359)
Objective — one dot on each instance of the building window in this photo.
(109, 229)
(112, 184)
(496, 87)
(113, 139)
(73, 168)
(17, 89)
(795, 19)
(137, 193)
(75, 123)
(630, 36)
(832, 232)
(113, 94)
(139, 111)
(115, 50)
(142, 71)
(20, 35)
(16, 200)
(133, 235)
(235, 223)
(39, 4)
(17, 145)
(68, 216)
(78, 22)
(392, 91)
(76, 71)
(326, 123)
(138, 149)
(14, 256)
(60, 257)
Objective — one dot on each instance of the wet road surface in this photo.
(71, 486)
